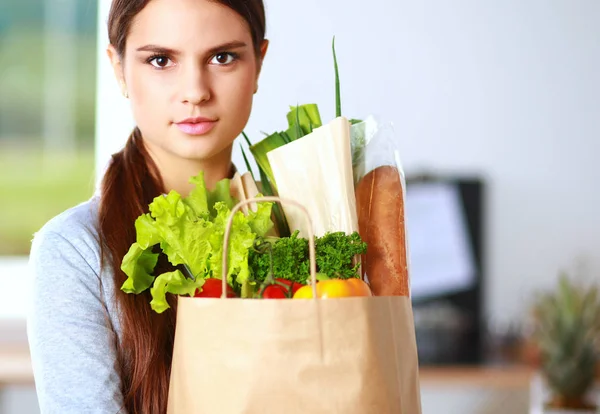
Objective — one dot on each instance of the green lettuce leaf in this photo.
(260, 220)
(172, 282)
(221, 193)
(168, 209)
(183, 236)
(241, 239)
(190, 235)
(138, 264)
(198, 198)
(146, 231)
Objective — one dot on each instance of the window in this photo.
(47, 114)
(47, 126)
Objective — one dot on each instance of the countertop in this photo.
(15, 368)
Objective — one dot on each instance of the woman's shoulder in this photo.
(74, 230)
(81, 217)
(77, 221)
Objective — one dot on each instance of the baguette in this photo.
(380, 206)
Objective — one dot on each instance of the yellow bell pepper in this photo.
(335, 288)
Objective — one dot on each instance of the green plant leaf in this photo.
(248, 167)
(260, 150)
(172, 282)
(338, 100)
(138, 264)
(280, 220)
(306, 116)
(221, 193)
(246, 139)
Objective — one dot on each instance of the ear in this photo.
(115, 61)
(263, 51)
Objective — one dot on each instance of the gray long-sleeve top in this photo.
(73, 324)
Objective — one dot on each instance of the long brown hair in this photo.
(130, 183)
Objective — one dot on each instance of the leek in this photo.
(248, 167)
(260, 149)
(307, 117)
(338, 100)
(280, 220)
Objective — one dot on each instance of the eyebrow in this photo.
(236, 44)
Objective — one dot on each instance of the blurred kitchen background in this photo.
(495, 106)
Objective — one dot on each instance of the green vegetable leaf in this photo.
(248, 166)
(338, 100)
(146, 231)
(172, 282)
(260, 220)
(221, 194)
(168, 209)
(183, 235)
(138, 264)
(188, 235)
(280, 219)
(247, 139)
(334, 253)
(241, 240)
(306, 117)
(290, 260)
(198, 198)
(260, 150)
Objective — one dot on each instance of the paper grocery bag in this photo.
(352, 355)
(349, 355)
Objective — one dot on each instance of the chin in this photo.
(201, 149)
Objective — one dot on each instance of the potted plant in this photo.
(566, 333)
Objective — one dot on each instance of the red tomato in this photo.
(274, 292)
(213, 288)
(294, 285)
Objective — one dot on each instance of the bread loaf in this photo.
(380, 206)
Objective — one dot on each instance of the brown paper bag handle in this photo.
(311, 239)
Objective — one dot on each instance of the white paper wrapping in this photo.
(316, 171)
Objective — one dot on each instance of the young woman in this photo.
(190, 69)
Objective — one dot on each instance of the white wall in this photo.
(113, 117)
(508, 89)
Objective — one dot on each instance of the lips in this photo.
(196, 126)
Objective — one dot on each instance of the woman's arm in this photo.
(72, 343)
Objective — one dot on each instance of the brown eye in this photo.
(160, 62)
(223, 58)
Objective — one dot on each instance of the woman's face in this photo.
(190, 71)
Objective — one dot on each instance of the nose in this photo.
(195, 85)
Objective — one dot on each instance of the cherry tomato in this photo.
(293, 285)
(274, 291)
(213, 288)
